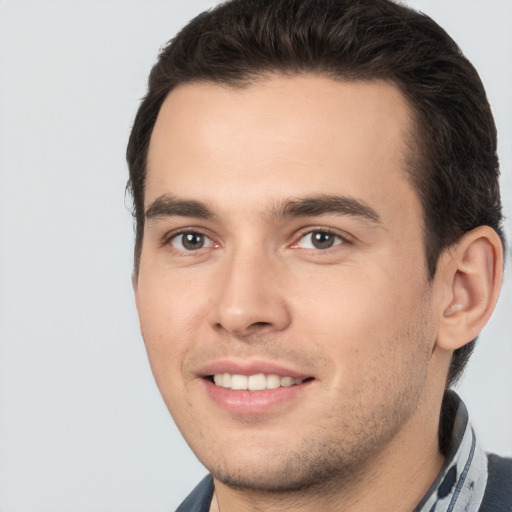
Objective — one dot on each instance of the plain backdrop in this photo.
(82, 426)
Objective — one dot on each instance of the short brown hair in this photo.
(454, 167)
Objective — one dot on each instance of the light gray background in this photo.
(82, 426)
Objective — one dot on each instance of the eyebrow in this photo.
(315, 206)
(170, 206)
(325, 204)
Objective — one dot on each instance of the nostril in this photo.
(260, 324)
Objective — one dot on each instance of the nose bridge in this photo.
(249, 297)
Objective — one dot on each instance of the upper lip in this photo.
(251, 367)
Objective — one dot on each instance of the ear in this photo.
(470, 276)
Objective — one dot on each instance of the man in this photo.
(318, 246)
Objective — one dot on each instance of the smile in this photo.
(253, 387)
(256, 382)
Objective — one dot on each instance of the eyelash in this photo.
(181, 234)
(338, 240)
(342, 239)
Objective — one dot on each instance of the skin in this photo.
(360, 318)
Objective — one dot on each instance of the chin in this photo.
(287, 470)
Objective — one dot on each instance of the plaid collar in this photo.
(461, 483)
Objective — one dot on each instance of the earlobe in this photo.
(472, 272)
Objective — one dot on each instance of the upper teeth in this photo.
(257, 382)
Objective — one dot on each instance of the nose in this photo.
(249, 296)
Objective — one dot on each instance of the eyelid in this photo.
(344, 237)
(171, 235)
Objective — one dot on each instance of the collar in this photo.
(461, 483)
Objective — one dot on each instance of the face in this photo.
(283, 293)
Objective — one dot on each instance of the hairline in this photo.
(415, 154)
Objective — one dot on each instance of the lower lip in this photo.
(253, 402)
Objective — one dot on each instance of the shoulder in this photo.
(498, 493)
(200, 498)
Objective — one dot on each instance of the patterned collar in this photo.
(461, 483)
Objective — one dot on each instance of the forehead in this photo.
(281, 136)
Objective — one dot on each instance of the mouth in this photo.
(254, 387)
(256, 382)
(255, 393)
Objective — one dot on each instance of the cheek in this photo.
(165, 319)
(168, 306)
(161, 319)
(371, 327)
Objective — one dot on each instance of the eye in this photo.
(319, 239)
(190, 241)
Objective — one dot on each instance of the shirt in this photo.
(461, 483)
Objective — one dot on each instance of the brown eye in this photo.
(319, 239)
(322, 240)
(190, 241)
